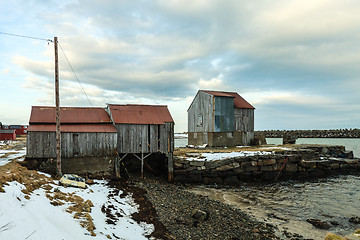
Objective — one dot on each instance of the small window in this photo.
(230, 135)
(199, 120)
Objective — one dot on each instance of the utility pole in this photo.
(57, 112)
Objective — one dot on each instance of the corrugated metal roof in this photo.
(69, 115)
(140, 114)
(7, 131)
(239, 102)
(108, 128)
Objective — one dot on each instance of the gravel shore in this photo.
(174, 207)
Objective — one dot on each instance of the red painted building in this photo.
(19, 129)
(8, 134)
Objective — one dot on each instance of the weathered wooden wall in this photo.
(43, 144)
(145, 138)
(201, 116)
(244, 120)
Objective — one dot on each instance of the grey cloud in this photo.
(163, 49)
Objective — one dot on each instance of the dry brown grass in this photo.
(32, 180)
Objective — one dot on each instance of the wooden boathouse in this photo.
(143, 130)
(88, 139)
(220, 119)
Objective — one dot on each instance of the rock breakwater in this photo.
(307, 161)
(332, 133)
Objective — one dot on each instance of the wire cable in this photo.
(72, 69)
(67, 60)
(23, 36)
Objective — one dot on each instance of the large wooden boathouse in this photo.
(143, 130)
(88, 139)
(220, 119)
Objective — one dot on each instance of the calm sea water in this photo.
(349, 143)
(288, 204)
(352, 144)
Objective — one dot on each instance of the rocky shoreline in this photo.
(174, 207)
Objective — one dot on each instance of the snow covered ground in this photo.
(6, 157)
(47, 212)
(36, 218)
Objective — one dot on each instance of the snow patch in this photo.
(224, 155)
(36, 218)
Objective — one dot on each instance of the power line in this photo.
(67, 60)
(23, 36)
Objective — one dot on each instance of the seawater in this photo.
(352, 144)
(287, 204)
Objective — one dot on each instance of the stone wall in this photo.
(313, 161)
(332, 133)
(90, 166)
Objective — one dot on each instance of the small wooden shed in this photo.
(88, 139)
(220, 119)
(7, 134)
(142, 131)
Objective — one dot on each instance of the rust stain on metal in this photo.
(73, 128)
(69, 115)
(239, 102)
(140, 114)
(73, 119)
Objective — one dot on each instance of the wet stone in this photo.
(318, 223)
(199, 215)
(225, 168)
(267, 162)
(197, 163)
(212, 180)
(267, 168)
(291, 167)
(308, 164)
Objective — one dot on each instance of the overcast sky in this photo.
(296, 62)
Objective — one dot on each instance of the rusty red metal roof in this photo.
(239, 102)
(69, 115)
(72, 119)
(108, 128)
(140, 114)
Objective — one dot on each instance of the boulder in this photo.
(267, 168)
(291, 167)
(349, 154)
(193, 154)
(199, 215)
(289, 139)
(331, 236)
(89, 181)
(355, 220)
(225, 168)
(212, 180)
(318, 223)
(325, 151)
(308, 164)
(267, 162)
(197, 163)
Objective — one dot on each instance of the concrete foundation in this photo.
(220, 139)
(91, 166)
